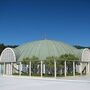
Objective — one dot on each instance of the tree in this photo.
(33, 60)
(26, 60)
(50, 61)
(50, 64)
(2, 47)
(69, 58)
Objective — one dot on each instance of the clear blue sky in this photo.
(22, 21)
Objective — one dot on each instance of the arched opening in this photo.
(85, 61)
(7, 59)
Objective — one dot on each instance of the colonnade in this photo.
(65, 68)
(8, 68)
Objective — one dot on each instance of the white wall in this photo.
(86, 55)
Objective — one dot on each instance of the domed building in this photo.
(45, 48)
(11, 59)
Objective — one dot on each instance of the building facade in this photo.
(11, 60)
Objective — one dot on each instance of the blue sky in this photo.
(23, 21)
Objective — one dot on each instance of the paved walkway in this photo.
(36, 83)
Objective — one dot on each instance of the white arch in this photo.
(86, 55)
(8, 55)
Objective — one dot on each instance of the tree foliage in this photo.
(68, 57)
(2, 47)
(80, 47)
(26, 60)
(49, 61)
(60, 60)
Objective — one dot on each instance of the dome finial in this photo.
(44, 36)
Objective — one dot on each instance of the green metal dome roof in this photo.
(45, 48)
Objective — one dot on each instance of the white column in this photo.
(44, 70)
(61, 71)
(7, 69)
(30, 68)
(20, 68)
(65, 69)
(81, 68)
(73, 68)
(4, 69)
(88, 68)
(55, 69)
(41, 67)
(11, 68)
(0, 69)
